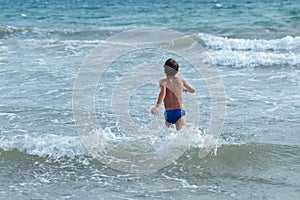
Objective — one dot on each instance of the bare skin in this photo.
(171, 93)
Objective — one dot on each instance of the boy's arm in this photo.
(160, 98)
(187, 87)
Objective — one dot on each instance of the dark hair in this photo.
(171, 67)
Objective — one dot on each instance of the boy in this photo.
(171, 92)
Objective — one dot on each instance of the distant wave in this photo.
(232, 52)
(8, 30)
(287, 43)
(64, 34)
(252, 52)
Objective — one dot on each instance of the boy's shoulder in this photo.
(165, 80)
(162, 81)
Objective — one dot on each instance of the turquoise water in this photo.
(256, 47)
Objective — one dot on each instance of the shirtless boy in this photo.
(171, 93)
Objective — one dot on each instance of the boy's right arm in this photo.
(160, 98)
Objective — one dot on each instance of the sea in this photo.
(254, 46)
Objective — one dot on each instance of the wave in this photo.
(52, 146)
(58, 147)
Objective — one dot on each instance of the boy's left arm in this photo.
(187, 87)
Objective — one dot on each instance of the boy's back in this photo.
(174, 90)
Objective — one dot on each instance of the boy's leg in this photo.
(168, 124)
(180, 123)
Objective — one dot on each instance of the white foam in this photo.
(250, 53)
(253, 59)
(53, 146)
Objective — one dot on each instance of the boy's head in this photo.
(171, 67)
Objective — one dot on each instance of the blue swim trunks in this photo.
(172, 116)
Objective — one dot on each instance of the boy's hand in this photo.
(154, 110)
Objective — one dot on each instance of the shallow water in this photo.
(256, 47)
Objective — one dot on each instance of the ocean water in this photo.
(255, 46)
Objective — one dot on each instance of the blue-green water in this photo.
(256, 47)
